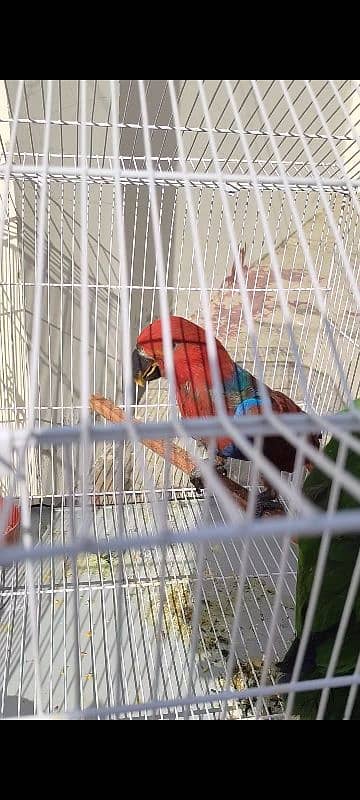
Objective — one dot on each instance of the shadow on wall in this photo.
(59, 363)
(14, 708)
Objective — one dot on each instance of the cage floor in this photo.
(79, 664)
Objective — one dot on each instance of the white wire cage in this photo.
(233, 204)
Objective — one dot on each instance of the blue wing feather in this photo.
(243, 397)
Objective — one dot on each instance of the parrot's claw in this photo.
(221, 469)
(197, 480)
(268, 501)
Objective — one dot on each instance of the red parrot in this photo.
(195, 396)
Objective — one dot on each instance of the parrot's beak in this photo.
(145, 369)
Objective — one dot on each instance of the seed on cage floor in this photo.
(4, 627)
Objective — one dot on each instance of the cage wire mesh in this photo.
(233, 204)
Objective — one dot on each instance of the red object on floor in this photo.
(10, 532)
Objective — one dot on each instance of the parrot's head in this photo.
(148, 358)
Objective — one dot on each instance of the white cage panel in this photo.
(235, 205)
(58, 400)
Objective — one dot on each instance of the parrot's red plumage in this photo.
(194, 385)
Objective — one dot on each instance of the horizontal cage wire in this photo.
(179, 319)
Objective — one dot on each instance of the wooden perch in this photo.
(178, 456)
